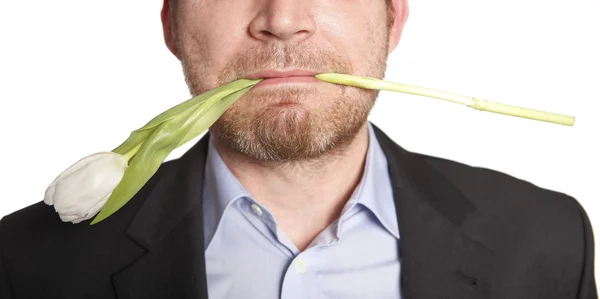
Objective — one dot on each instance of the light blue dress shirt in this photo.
(248, 257)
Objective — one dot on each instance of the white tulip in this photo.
(81, 191)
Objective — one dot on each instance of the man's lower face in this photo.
(290, 122)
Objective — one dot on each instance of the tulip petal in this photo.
(96, 208)
(79, 164)
(68, 218)
(49, 194)
(76, 167)
(80, 187)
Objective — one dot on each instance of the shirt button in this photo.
(256, 209)
(300, 266)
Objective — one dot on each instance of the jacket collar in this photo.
(440, 256)
(176, 192)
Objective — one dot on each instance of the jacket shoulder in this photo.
(39, 224)
(38, 248)
(500, 193)
(544, 233)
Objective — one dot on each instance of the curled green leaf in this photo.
(138, 136)
(162, 140)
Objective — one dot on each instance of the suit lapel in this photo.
(439, 258)
(169, 226)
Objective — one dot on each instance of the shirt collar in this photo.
(375, 190)
(221, 188)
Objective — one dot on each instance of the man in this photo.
(294, 194)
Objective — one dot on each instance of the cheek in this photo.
(354, 31)
(211, 35)
(370, 47)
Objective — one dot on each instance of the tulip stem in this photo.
(131, 153)
(483, 105)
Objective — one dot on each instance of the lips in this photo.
(266, 74)
(272, 77)
(287, 80)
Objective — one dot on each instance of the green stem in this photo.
(372, 83)
(483, 105)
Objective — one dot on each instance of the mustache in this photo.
(283, 56)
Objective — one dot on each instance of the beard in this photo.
(294, 123)
(289, 132)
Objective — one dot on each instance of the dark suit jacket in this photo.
(466, 232)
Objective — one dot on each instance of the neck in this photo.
(304, 197)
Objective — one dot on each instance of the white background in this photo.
(76, 77)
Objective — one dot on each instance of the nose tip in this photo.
(283, 20)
